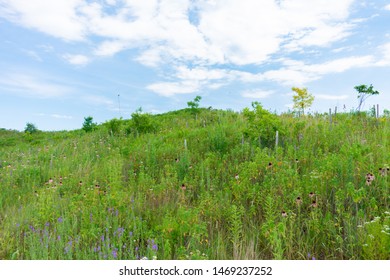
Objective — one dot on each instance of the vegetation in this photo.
(194, 105)
(31, 128)
(88, 124)
(171, 186)
(302, 99)
(364, 92)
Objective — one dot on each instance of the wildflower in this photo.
(284, 214)
(237, 177)
(383, 171)
(50, 181)
(298, 200)
(80, 183)
(314, 204)
(369, 178)
(114, 253)
(60, 220)
(97, 186)
(270, 165)
(177, 160)
(311, 194)
(296, 160)
(183, 186)
(144, 259)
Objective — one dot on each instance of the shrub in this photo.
(88, 124)
(30, 128)
(261, 123)
(142, 122)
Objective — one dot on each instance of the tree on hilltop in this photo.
(364, 92)
(302, 99)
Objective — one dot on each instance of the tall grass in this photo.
(99, 195)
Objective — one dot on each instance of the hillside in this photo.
(206, 184)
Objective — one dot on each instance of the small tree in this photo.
(302, 99)
(364, 92)
(30, 128)
(194, 105)
(262, 124)
(142, 122)
(88, 124)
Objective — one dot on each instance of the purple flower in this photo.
(114, 253)
(47, 224)
(155, 247)
(60, 220)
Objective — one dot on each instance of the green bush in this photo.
(261, 124)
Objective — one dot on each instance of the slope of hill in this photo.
(210, 184)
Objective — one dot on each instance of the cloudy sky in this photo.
(63, 60)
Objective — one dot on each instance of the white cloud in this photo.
(77, 59)
(384, 59)
(171, 88)
(33, 85)
(331, 97)
(387, 7)
(56, 116)
(56, 18)
(225, 31)
(98, 100)
(257, 93)
(33, 55)
(299, 73)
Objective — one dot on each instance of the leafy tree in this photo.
(88, 124)
(30, 128)
(142, 122)
(194, 105)
(261, 124)
(114, 126)
(364, 92)
(302, 99)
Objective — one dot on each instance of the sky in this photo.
(63, 60)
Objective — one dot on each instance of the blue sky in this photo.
(63, 60)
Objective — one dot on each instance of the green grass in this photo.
(131, 203)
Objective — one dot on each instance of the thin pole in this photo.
(119, 105)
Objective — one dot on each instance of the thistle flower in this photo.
(314, 204)
(298, 200)
(284, 214)
(183, 186)
(311, 194)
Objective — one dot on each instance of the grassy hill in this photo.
(209, 184)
